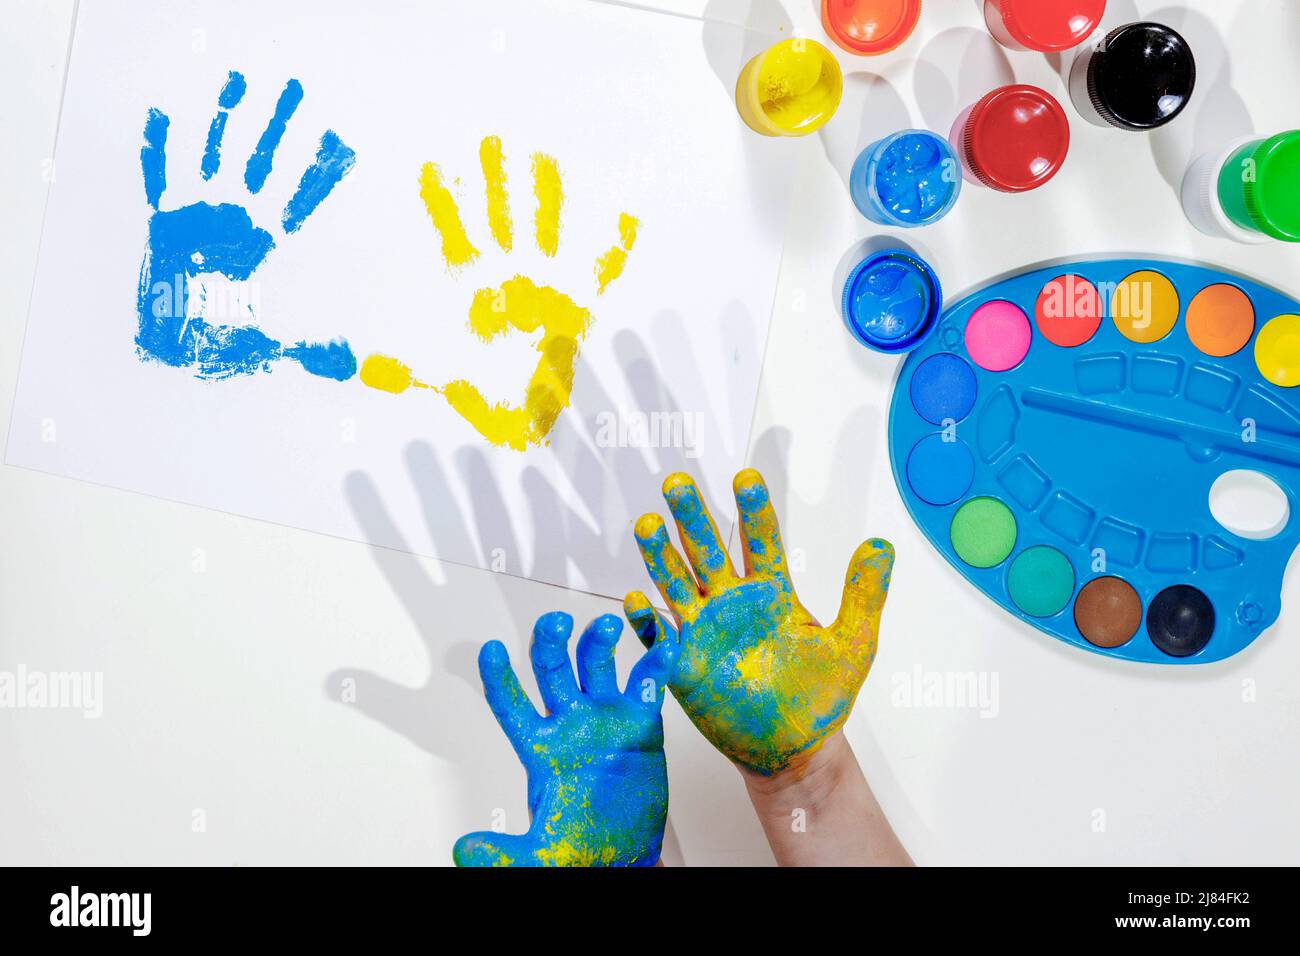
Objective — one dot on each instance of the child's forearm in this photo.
(821, 812)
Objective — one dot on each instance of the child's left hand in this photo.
(597, 780)
(759, 676)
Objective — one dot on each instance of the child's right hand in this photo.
(760, 678)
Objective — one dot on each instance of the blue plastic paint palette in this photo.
(1057, 439)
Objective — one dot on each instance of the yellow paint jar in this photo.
(790, 89)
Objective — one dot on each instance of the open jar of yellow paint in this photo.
(790, 89)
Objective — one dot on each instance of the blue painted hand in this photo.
(202, 239)
(597, 780)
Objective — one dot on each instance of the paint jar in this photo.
(790, 89)
(1047, 26)
(1249, 191)
(911, 178)
(1014, 139)
(892, 300)
(870, 27)
(1138, 78)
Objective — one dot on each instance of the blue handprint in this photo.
(202, 238)
(597, 780)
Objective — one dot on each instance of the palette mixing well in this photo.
(1058, 437)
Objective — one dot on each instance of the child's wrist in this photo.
(809, 780)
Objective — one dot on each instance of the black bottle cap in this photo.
(1180, 620)
(1141, 76)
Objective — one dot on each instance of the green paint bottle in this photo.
(1259, 186)
(1250, 191)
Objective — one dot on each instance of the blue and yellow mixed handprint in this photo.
(201, 239)
(597, 780)
(760, 678)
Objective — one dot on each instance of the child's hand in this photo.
(761, 679)
(597, 781)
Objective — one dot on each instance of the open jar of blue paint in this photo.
(892, 300)
(911, 178)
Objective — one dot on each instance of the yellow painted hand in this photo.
(517, 305)
(760, 678)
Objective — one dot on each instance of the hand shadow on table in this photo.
(560, 532)
(484, 529)
(427, 714)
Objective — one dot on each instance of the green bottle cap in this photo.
(1271, 189)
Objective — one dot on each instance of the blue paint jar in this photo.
(892, 301)
(909, 179)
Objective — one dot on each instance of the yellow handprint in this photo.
(518, 304)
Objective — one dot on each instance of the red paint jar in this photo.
(1014, 139)
(1047, 26)
(870, 27)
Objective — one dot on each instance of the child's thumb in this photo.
(866, 585)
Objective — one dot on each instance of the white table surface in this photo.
(224, 642)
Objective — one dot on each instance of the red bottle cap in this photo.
(870, 27)
(1043, 25)
(1016, 138)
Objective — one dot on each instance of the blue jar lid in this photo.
(911, 178)
(891, 301)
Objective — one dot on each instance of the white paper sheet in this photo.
(635, 107)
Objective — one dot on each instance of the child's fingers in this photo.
(641, 615)
(667, 569)
(647, 623)
(550, 656)
(760, 536)
(507, 700)
(493, 849)
(153, 156)
(866, 585)
(258, 166)
(227, 100)
(651, 675)
(596, 672)
(704, 548)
